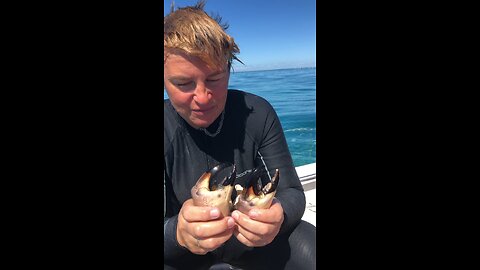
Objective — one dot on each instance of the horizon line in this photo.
(268, 69)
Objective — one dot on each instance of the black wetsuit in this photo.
(251, 136)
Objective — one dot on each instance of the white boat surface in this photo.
(308, 178)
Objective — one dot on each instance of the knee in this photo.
(168, 267)
(303, 246)
(304, 233)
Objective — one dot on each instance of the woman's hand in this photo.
(260, 226)
(202, 229)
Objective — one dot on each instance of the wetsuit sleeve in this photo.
(274, 153)
(171, 249)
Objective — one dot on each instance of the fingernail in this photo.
(214, 213)
(235, 215)
(230, 223)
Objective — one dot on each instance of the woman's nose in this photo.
(202, 95)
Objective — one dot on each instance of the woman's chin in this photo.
(202, 120)
(198, 123)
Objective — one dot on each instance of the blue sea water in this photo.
(292, 93)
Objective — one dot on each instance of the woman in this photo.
(206, 125)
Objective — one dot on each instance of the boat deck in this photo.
(308, 178)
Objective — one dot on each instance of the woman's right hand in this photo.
(202, 229)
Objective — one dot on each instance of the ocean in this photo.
(292, 93)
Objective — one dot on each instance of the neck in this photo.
(216, 127)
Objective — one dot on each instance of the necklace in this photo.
(218, 129)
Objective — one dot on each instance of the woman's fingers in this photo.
(202, 229)
(193, 213)
(210, 228)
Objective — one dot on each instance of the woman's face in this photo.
(197, 92)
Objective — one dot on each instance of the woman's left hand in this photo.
(260, 226)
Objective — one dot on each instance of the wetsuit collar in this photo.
(213, 130)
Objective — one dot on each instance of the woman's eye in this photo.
(182, 84)
(214, 79)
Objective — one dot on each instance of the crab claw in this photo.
(257, 194)
(208, 191)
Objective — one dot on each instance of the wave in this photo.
(300, 129)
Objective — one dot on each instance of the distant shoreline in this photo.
(271, 69)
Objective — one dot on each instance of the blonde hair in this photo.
(193, 31)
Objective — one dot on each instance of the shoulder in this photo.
(170, 124)
(238, 100)
(251, 112)
(168, 115)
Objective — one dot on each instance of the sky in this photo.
(270, 34)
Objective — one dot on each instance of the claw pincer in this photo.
(258, 193)
(208, 191)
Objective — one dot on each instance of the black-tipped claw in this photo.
(262, 186)
(227, 180)
(272, 186)
(255, 179)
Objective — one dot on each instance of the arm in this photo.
(274, 153)
(287, 211)
(171, 249)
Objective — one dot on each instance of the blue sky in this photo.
(270, 34)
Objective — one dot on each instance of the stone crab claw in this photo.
(257, 193)
(208, 191)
